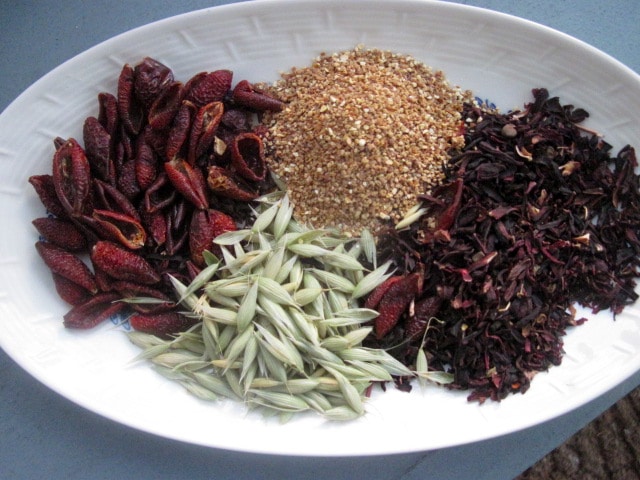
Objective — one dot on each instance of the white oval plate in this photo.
(497, 56)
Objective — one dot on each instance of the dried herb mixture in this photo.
(535, 215)
(531, 215)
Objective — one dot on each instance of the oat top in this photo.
(364, 131)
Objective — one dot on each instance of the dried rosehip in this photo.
(374, 297)
(203, 131)
(122, 264)
(189, 181)
(132, 290)
(245, 94)
(165, 107)
(395, 301)
(425, 311)
(69, 291)
(139, 185)
(97, 144)
(93, 311)
(178, 136)
(223, 182)
(161, 324)
(146, 165)
(247, 157)
(108, 197)
(61, 233)
(127, 181)
(205, 226)
(155, 225)
(46, 191)
(67, 265)
(108, 113)
(204, 88)
(72, 177)
(177, 219)
(129, 108)
(151, 79)
(160, 194)
(118, 227)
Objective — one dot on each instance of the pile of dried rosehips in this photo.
(166, 166)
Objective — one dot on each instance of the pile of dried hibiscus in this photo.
(535, 216)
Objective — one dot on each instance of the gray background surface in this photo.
(43, 435)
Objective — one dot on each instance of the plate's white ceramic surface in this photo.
(497, 56)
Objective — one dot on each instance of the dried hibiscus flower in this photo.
(536, 216)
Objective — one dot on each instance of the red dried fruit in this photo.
(204, 129)
(205, 226)
(61, 233)
(46, 191)
(192, 270)
(129, 109)
(395, 301)
(374, 297)
(104, 281)
(137, 214)
(108, 113)
(108, 197)
(67, 265)
(244, 94)
(68, 291)
(161, 324)
(205, 87)
(72, 177)
(117, 227)
(157, 140)
(159, 195)
(166, 106)
(178, 136)
(155, 225)
(247, 157)
(122, 264)
(179, 213)
(93, 311)
(127, 181)
(119, 157)
(133, 290)
(177, 234)
(236, 120)
(221, 222)
(151, 78)
(188, 181)
(126, 142)
(146, 165)
(223, 182)
(97, 144)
